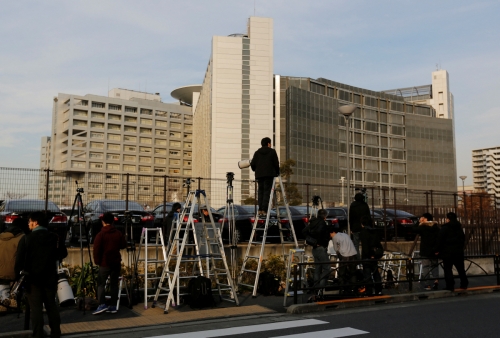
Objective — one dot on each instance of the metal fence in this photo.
(477, 212)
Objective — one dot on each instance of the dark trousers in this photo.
(265, 185)
(347, 271)
(113, 273)
(458, 262)
(371, 274)
(37, 297)
(321, 271)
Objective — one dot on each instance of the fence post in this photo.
(427, 201)
(295, 298)
(496, 264)
(395, 211)
(307, 198)
(481, 224)
(385, 217)
(47, 176)
(455, 202)
(126, 191)
(373, 202)
(409, 273)
(432, 203)
(465, 208)
(164, 198)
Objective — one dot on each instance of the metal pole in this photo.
(164, 210)
(307, 198)
(199, 182)
(255, 194)
(395, 216)
(432, 203)
(126, 190)
(373, 203)
(47, 176)
(348, 175)
(385, 218)
(295, 298)
(455, 202)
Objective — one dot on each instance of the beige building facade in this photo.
(234, 110)
(96, 140)
(486, 171)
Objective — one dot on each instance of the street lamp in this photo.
(463, 182)
(347, 111)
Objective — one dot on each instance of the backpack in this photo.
(200, 290)
(269, 284)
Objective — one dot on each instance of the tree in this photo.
(292, 192)
(250, 200)
(9, 195)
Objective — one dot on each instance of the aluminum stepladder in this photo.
(207, 243)
(120, 289)
(295, 254)
(256, 229)
(159, 260)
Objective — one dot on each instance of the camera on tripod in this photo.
(187, 182)
(230, 177)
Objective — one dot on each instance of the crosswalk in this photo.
(312, 333)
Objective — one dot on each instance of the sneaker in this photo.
(112, 309)
(100, 309)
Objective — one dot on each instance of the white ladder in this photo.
(258, 229)
(207, 243)
(158, 260)
(295, 254)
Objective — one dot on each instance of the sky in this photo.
(86, 47)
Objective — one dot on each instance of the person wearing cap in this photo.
(429, 232)
(266, 166)
(357, 209)
(450, 248)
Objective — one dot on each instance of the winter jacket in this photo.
(38, 255)
(357, 210)
(318, 229)
(429, 232)
(9, 241)
(451, 240)
(107, 245)
(265, 163)
(369, 239)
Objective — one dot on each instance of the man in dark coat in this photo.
(370, 240)
(37, 256)
(107, 245)
(429, 232)
(319, 229)
(172, 217)
(266, 165)
(358, 209)
(450, 248)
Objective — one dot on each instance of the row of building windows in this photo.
(112, 146)
(128, 167)
(132, 129)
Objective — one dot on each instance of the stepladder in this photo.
(295, 256)
(121, 285)
(260, 235)
(196, 249)
(154, 254)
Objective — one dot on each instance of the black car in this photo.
(243, 216)
(137, 219)
(338, 218)
(403, 220)
(299, 219)
(21, 208)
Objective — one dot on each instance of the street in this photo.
(461, 316)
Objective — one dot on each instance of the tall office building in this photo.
(486, 171)
(235, 106)
(96, 140)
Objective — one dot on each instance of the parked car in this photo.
(403, 220)
(21, 208)
(299, 219)
(158, 212)
(338, 217)
(243, 216)
(93, 212)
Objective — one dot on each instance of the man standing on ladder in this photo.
(266, 165)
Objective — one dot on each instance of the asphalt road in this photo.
(462, 316)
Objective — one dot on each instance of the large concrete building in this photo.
(402, 138)
(235, 106)
(96, 140)
(486, 171)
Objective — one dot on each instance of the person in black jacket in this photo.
(172, 217)
(450, 248)
(319, 230)
(357, 209)
(429, 232)
(266, 165)
(37, 256)
(370, 241)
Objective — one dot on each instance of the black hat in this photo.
(428, 216)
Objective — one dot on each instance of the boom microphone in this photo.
(244, 164)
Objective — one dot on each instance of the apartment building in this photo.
(96, 140)
(486, 171)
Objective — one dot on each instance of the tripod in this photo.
(132, 260)
(81, 222)
(316, 201)
(229, 216)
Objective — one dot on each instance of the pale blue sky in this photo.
(74, 47)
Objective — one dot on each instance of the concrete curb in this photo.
(16, 334)
(389, 299)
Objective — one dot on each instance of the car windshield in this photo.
(120, 205)
(293, 211)
(249, 208)
(335, 212)
(302, 209)
(31, 205)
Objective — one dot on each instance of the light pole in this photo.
(347, 111)
(342, 181)
(463, 182)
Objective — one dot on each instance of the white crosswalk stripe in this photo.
(334, 333)
(245, 329)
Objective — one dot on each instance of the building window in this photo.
(188, 136)
(96, 135)
(146, 111)
(95, 165)
(114, 117)
(114, 137)
(129, 148)
(160, 170)
(175, 116)
(114, 107)
(143, 159)
(159, 151)
(174, 161)
(188, 117)
(175, 125)
(188, 145)
(175, 143)
(114, 157)
(129, 158)
(112, 166)
(147, 131)
(95, 115)
(130, 119)
(174, 152)
(144, 169)
(96, 145)
(96, 155)
(113, 146)
(82, 123)
(127, 138)
(129, 129)
(77, 112)
(187, 162)
(146, 150)
(161, 113)
(188, 127)
(160, 160)
(130, 110)
(174, 171)
(114, 127)
(187, 172)
(97, 125)
(161, 123)
(77, 164)
(159, 132)
(147, 121)
(160, 142)
(98, 104)
(127, 167)
(145, 140)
